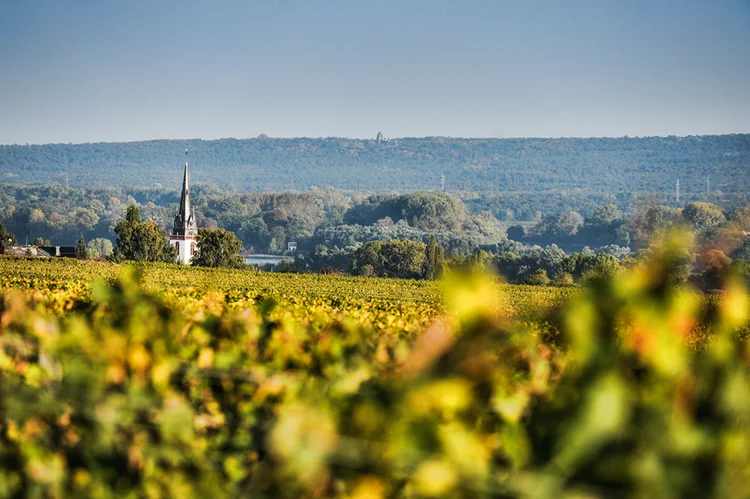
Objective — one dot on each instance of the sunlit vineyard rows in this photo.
(164, 381)
(66, 283)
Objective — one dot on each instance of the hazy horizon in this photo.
(181, 139)
(89, 72)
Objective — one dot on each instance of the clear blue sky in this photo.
(105, 70)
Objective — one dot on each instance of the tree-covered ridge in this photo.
(510, 165)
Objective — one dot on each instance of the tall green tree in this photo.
(742, 252)
(217, 248)
(434, 257)
(99, 248)
(277, 244)
(6, 238)
(368, 259)
(565, 223)
(81, 250)
(701, 216)
(741, 216)
(653, 222)
(392, 258)
(605, 215)
(141, 241)
(579, 264)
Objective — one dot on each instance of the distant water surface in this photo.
(264, 260)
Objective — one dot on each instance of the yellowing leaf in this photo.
(434, 478)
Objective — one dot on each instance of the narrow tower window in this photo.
(177, 245)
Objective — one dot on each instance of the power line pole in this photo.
(708, 187)
(677, 191)
(442, 182)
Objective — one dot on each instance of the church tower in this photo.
(185, 229)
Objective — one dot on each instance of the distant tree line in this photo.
(365, 235)
(593, 165)
(264, 222)
(722, 247)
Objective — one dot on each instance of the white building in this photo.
(185, 229)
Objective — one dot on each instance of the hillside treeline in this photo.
(595, 165)
(337, 231)
(266, 222)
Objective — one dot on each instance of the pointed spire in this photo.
(185, 178)
(185, 211)
(184, 222)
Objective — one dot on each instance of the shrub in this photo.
(538, 278)
(563, 279)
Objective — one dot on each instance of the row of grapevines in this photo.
(65, 284)
(127, 395)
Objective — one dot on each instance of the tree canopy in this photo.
(392, 258)
(217, 248)
(100, 248)
(434, 259)
(701, 215)
(141, 241)
(6, 238)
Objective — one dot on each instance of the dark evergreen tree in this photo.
(516, 232)
(434, 256)
(82, 252)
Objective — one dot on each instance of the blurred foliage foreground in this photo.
(132, 399)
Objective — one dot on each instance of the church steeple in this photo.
(184, 222)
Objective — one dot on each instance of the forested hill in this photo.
(261, 164)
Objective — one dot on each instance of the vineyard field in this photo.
(66, 283)
(124, 380)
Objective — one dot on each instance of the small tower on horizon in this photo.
(185, 228)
